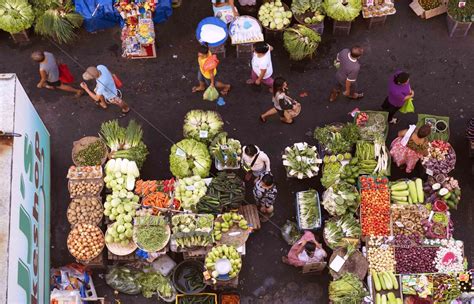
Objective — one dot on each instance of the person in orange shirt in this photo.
(208, 77)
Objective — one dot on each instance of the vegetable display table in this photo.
(356, 263)
(250, 214)
(457, 28)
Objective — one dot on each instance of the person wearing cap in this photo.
(105, 91)
(49, 73)
(348, 66)
(305, 251)
(399, 91)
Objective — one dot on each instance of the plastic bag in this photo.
(123, 280)
(210, 94)
(290, 232)
(211, 63)
(408, 107)
(65, 74)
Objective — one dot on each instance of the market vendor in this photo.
(254, 161)
(410, 146)
(105, 91)
(224, 10)
(305, 251)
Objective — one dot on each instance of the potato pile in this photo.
(84, 188)
(84, 172)
(380, 256)
(85, 242)
(85, 210)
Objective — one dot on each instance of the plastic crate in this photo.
(181, 296)
(318, 205)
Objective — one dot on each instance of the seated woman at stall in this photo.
(410, 146)
(305, 251)
(224, 10)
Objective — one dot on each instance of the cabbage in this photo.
(15, 15)
(202, 125)
(189, 157)
(337, 11)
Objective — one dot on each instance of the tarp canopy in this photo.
(101, 14)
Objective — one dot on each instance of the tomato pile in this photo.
(375, 206)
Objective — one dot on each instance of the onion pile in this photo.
(415, 259)
(85, 242)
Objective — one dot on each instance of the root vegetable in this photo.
(85, 242)
(86, 210)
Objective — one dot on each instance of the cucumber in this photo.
(376, 280)
(400, 186)
(399, 301)
(391, 298)
(410, 201)
(400, 198)
(388, 281)
(400, 193)
(394, 279)
(384, 299)
(412, 191)
(378, 298)
(419, 190)
(382, 281)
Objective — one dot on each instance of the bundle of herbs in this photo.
(337, 138)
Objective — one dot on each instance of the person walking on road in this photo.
(399, 91)
(282, 103)
(262, 68)
(106, 91)
(265, 193)
(206, 76)
(49, 73)
(254, 161)
(348, 66)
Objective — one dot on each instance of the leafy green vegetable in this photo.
(123, 279)
(301, 42)
(309, 216)
(301, 160)
(337, 138)
(347, 290)
(137, 154)
(226, 150)
(189, 157)
(341, 198)
(337, 10)
(332, 234)
(15, 15)
(350, 226)
(331, 174)
(153, 282)
(113, 134)
(461, 14)
(202, 125)
(299, 7)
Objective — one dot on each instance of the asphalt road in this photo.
(159, 90)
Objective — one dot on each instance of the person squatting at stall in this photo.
(305, 251)
(105, 91)
(49, 73)
(410, 146)
(265, 193)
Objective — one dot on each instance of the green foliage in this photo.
(299, 7)
(461, 14)
(337, 139)
(15, 15)
(300, 41)
(340, 11)
(58, 22)
(195, 161)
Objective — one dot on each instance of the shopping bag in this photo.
(211, 63)
(65, 75)
(210, 94)
(408, 106)
(117, 81)
(295, 111)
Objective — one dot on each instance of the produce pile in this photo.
(151, 233)
(189, 157)
(226, 191)
(341, 198)
(348, 289)
(190, 230)
(301, 42)
(371, 124)
(189, 190)
(380, 255)
(375, 206)
(373, 157)
(223, 252)
(85, 242)
(226, 151)
(309, 11)
(79, 188)
(441, 158)
(407, 192)
(274, 15)
(342, 10)
(227, 222)
(143, 188)
(202, 125)
(84, 172)
(337, 138)
(301, 160)
(152, 283)
(91, 155)
(387, 287)
(125, 142)
(336, 230)
(407, 220)
(415, 259)
(85, 210)
(331, 169)
(308, 209)
(442, 189)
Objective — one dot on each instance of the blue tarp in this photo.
(101, 14)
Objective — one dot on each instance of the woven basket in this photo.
(287, 9)
(356, 264)
(82, 143)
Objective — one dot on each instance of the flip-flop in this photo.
(262, 119)
(195, 90)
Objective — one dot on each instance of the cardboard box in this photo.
(427, 14)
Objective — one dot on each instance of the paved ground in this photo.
(160, 90)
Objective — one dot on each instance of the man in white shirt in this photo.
(262, 68)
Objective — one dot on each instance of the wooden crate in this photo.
(456, 28)
(341, 27)
(427, 14)
(250, 213)
(314, 268)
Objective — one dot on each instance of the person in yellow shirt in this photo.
(208, 77)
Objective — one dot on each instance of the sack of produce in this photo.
(123, 280)
(210, 94)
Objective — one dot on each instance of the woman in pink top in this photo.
(306, 251)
